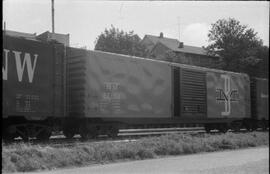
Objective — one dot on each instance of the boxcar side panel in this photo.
(228, 95)
(262, 99)
(122, 86)
(28, 78)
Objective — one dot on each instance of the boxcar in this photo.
(47, 86)
(108, 91)
(108, 88)
(32, 87)
(260, 102)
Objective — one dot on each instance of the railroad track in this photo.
(125, 135)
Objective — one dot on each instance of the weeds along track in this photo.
(127, 135)
(59, 152)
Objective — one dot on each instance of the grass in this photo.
(24, 157)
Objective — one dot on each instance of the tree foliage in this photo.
(170, 56)
(116, 41)
(238, 47)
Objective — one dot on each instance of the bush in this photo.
(23, 157)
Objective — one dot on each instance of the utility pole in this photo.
(4, 28)
(178, 22)
(52, 16)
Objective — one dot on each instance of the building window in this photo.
(196, 60)
(205, 60)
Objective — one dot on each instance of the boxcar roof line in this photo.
(173, 64)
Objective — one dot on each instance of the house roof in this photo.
(173, 44)
(61, 38)
(156, 39)
(20, 34)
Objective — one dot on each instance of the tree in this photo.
(261, 69)
(170, 56)
(237, 45)
(116, 41)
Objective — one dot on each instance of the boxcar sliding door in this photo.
(193, 93)
(176, 91)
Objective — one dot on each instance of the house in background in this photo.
(159, 47)
(30, 36)
(61, 38)
(46, 36)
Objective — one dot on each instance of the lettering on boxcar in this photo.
(20, 65)
(264, 95)
(111, 98)
(227, 95)
(27, 103)
(5, 68)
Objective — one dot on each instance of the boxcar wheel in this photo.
(254, 127)
(236, 126)
(23, 133)
(113, 132)
(207, 128)
(25, 138)
(85, 135)
(44, 135)
(88, 132)
(264, 126)
(248, 126)
(8, 137)
(69, 134)
(223, 128)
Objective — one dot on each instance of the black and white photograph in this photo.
(135, 87)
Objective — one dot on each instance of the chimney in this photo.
(181, 45)
(161, 35)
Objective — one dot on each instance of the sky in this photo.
(84, 20)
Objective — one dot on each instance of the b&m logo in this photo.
(227, 95)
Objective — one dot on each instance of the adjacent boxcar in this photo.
(33, 86)
(260, 102)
